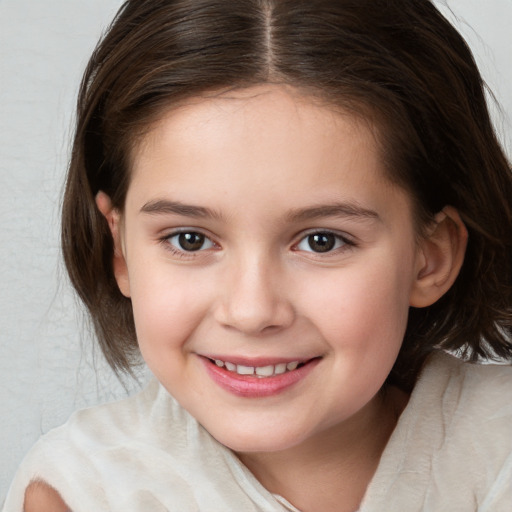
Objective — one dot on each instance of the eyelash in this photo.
(340, 243)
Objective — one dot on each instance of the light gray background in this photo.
(47, 366)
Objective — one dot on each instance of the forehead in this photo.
(270, 104)
(266, 138)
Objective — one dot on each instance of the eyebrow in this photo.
(343, 210)
(166, 207)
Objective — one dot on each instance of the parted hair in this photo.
(399, 63)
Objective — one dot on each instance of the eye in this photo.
(321, 242)
(189, 241)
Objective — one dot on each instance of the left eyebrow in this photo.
(343, 210)
(166, 207)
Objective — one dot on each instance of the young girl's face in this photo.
(270, 264)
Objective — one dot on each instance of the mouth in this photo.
(262, 372)
(257, 378)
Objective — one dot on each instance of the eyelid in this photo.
(170, 232)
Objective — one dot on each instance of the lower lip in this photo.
(250, 386)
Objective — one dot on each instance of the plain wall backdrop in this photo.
(48, 367)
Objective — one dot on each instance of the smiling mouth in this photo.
(261, 372)
(264, 379)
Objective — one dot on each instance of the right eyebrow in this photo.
(166, 207)
(348, 210)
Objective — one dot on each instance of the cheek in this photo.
(363, 307)
(167, 306)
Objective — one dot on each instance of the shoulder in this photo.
(473, 419)
(475, 426)
(466, 397)
(454, 434)
(40, 497)
(92, 442)
(481, 392)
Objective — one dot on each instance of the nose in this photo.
(253, 298)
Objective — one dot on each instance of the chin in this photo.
(259, 439)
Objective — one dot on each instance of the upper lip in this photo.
(256, 361)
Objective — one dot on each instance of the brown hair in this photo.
(399, 60)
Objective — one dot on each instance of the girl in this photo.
(291, 210)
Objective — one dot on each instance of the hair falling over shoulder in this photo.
(399, 63)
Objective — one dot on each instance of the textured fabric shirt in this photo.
(450, 451)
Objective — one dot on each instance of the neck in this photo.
(332, 469)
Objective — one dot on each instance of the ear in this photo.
(113, 217)
(440, 258)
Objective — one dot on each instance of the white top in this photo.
(451, 451)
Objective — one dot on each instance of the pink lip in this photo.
(250, 386)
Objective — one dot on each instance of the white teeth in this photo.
(260, 371)
(280, 368)
(265, 371)
(245, 370)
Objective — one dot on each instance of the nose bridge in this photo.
(254, 297)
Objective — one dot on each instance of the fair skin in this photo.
(40, 497)
(260, 230)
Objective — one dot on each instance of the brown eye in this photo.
(322, 242)
(190, 241)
